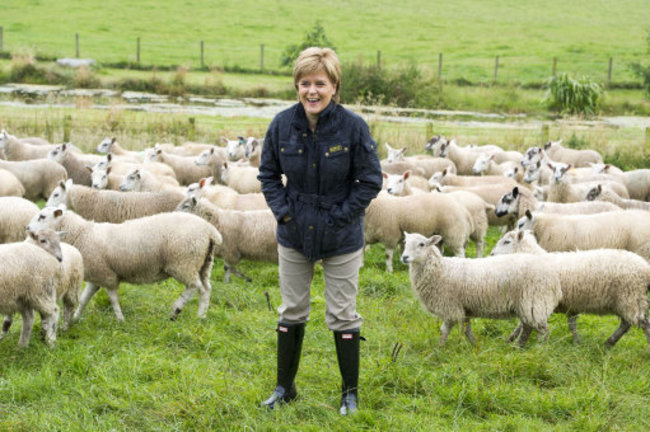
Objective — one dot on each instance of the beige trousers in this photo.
(341, 287)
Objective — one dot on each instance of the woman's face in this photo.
(315, 91)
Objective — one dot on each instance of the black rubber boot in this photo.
(347, 352)
(289, 347)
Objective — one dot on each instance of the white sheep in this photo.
(10, 185)
(247, 235)
(485, 165)
(463, 158)
(623, 229)
(577, 158)
(458, 289)
(110, 145)
(112, 206)
(636, 181)
(562, 190)
(405, 184)
(78, 170)
(433, 213)
(235, 149)
(28, 282)
(39, 177)
(243, 179)
(253, 150)
(144, 250)
(17, 150)
(185, 170)
(602, 281)
(225, 197)
(15, 214)
(421, 164)
(608, 197)
(190, 148)
(141, 180)
(213, 159)
(447, 178)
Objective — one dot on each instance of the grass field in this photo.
(150, 374)
(526, 35)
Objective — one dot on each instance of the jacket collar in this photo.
(325, 118)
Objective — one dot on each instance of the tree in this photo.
(315, 37)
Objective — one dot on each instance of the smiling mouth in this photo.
(313, 100)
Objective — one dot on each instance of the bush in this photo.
(571, 96)
(316, 37)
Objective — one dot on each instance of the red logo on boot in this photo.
(347, 336)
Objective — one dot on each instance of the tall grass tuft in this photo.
(573, 96)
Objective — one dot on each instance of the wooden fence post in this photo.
(544, 134)
(496, 68)
(554, 66)
(440, 66)
(67, 119)
(262, 57)
(202, 63)
(647, 141)
(379, 59)
(609, 72)
(137, 52)
(76, 37)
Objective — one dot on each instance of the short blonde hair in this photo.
(314, 60)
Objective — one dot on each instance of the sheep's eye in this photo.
(506, 242)
(421, 245)
(43, 241)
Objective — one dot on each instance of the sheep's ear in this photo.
(444, 172)
(529, 215)
(208, 180)
(384, 175)
(32, 234)
(492, 156)
(388, 147)
(61, 184)
(224, 140)
(68, 183)
(113, 140)
(225, 165)
(550, 166)
(58, 213)
(108, 170)
(202, 182)
(241, 139)
(109, 157)
(89, 168)
(403, 149)
(407, 174)
(568, 167)
(515, 192)
(193, 201)
(520, 235)
(515, 169)
(211, 150)
(434, 239)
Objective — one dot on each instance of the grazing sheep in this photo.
(15, 214)
(623, 229)
(607, 196)
(405, 184)
(76, 168)
(602, 281)
(243, 179)
(112, 206)
(28, 282)
(10, 185)
(144, 250)
(577, 158)
(247, 235)
(39, 177)
(516, 203)
(225, 197)
(458, 289)
(186, 171)
(71, 279)
(387, 217)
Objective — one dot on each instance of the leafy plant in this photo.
(316, 37)
(573, 96)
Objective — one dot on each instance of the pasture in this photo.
(152, 374)
(526, 36)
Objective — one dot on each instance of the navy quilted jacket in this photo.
(332, 175)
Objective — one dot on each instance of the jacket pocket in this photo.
(335, 161)
(292, 158)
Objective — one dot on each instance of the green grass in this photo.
(526, 35)
(152, 374)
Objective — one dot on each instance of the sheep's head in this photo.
(188, 205)
(58, 153)
(99, 177)
(4, 137)
(512, 242)
(393, 154)
(531, 156)
(235, 148)
(434, 143)
(105, 146)
(482, 163)
(559, 171)
(253, 147)
(508, 204)
(526, 222)
(418, 247)
(59, 194)
(48, 217)
(395, 183)
(48, 240)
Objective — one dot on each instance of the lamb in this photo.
(213, 159)
(10, 185)
(28, 282)
(225, 197)
(31, 140)
(15, 214)
(458, 289)
(485, 165)
(110, 145)
(140, 180)
(253, 150)
(516, 203)
(623, 229)
(39, 177)
(464, 159)
(144, 250)
(424, 163)
(121, 168)
(76, 168)
(637, 181)
(446, 178)
(235, 149)
(388, 216)
(185, 169)
(405, 184)
(71, 279)
(112, 206)
(104, 179)
(17, 150)
(603, 281)
(607, 196)
(243, 179)
(246, 234)
(577, 158)
(561, 190)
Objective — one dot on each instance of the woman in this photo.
(332, 173)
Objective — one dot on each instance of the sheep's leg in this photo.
(572, 321)
(645, 325)
(28, 321)
(467, 328)
(516, 332)
(89, 291)
(186, 295)
(6, 325)
(618, 333)
(115, 302)
(49, 319)
(524, 334)
(479, 247)
(233, 270)
(542, 332)
(68, 311)
(204, 298)
(389, 259)
(444, 331)
(226, 276)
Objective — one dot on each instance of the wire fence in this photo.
(470, 68)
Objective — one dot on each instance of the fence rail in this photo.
(459, 66)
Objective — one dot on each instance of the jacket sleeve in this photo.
(271, 174)
(366, 179)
